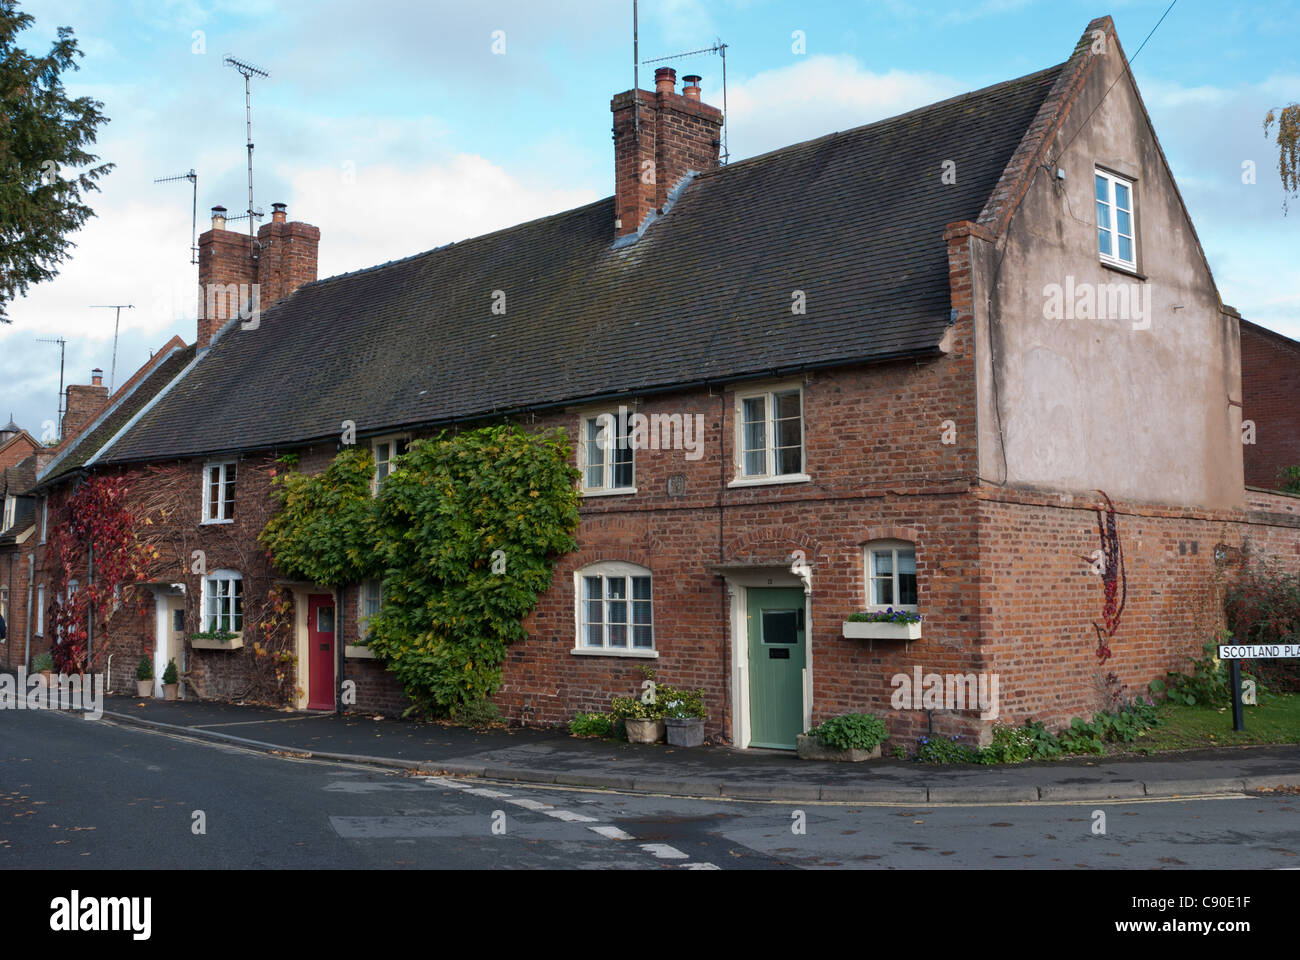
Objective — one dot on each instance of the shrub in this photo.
(1263, 606)
(1010, 745)
(1207, 684)
(1045, 744)
(630, 708)
(933, 748)
(169, 675)
(42, 662)
(681, 704)
(591, 725)
(145, 670)
(1289, 478)
(851, 731)
(476, 713)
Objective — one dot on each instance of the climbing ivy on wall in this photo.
(323, 531)
(469, 528)
(464, 533)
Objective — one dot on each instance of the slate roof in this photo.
(854, 219)
(16, 481)
(100, 434)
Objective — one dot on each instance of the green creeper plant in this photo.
(324, 529)
(468, 526)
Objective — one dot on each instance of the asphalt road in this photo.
(84, 794)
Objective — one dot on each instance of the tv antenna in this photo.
(62, 348)
(193, 178)
(119, 307)
(719, 48)
(248, 71)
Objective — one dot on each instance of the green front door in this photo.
(776, 662)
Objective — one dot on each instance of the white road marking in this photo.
(529, 804)
(484, 792)
(699, 866)
(663, 851)
(613, 833)
(569, 817)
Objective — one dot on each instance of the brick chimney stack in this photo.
(82, 401)
(287, 258)
(678, 134)
(238, 273)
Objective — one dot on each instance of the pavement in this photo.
(527, 755)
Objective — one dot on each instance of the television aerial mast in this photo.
(63, 344)
(248, 71)
(193, 178)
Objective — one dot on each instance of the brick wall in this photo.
(1270, 396)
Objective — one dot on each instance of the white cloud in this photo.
(818, 95)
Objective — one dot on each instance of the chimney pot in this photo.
(665, 80)
(218, 218)
(279, 213)
(97, 377)
(692, 89)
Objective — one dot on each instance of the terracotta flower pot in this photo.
(170, 690)
(144, 688)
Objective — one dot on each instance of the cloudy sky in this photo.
(394, 127)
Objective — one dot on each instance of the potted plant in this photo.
(644, 722)
(43, 663)
(887, 624)
(850, 736)
(171, 684)
(683, 716)
(144, 678)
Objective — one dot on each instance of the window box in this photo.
(881, 630)
(201, 641)
(810, 748)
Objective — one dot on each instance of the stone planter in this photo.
(809, 748)
(171, 690)
(853, 630)
(644, 731)
(685, 732)
(144, 688)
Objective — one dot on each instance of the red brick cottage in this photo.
(897, 365)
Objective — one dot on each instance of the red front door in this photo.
(320, 652)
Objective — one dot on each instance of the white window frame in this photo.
(11, 510)
(221, 490)
(40, 611)
(363, 599)
(376, 481)
(607, 487)
(208, 618)
(611, 570)
(868, 568)
(769, 394)
(1112, 219)
(45, 516)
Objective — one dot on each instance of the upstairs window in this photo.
(45, 516)
(386, 450)
(770, 435)
(40, 610)
(11, 508)
(223, 602)
(1115, 212)
(219, 492)
(608, 460)
(891, 575)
